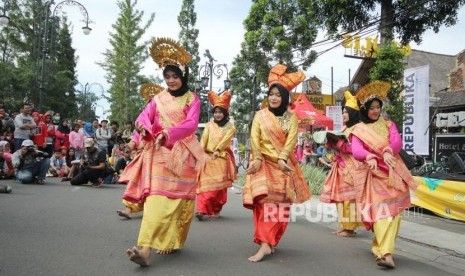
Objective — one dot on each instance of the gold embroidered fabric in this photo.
(381, 127)
(182, 101)
(261, 144)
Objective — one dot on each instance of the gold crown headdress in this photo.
(351, 101)
(166, 51)
(376, 89)
(222, 101)
(149, 90)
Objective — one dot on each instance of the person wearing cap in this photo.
(103, 136)
(219, 173)
(339, 186)
(274, 178)
(92, 166)
(30, 164)
(163, 176)
(384, 194)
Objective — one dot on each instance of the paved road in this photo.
(57, 229)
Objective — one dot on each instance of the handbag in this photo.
(409, 161)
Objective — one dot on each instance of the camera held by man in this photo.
(31, 165)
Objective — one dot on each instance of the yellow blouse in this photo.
(261, 145)
(207, 140)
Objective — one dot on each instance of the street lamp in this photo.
(86, 29)
(45, 53)
(211, 69)
(84, 92)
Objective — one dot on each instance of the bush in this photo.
(315, 177)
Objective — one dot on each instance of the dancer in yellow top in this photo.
(274, 179)
(220, 171)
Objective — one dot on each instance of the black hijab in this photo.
(184, 79)
(364, 111)
(63, 129)
(225, 119)
(279, 111)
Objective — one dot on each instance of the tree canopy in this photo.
(123, 62)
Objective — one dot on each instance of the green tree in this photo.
(389, 67)
(277, 31)
(123, 62)
(405, 19)
(188, 37)
(22, 44)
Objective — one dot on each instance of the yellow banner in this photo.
(319, 101)
(443, 197)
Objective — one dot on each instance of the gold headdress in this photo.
(351, 101)
(149, 90)
(221, 101)
(376, 89)
(288, 81)
(166, 51)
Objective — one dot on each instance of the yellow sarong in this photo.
(166, 222)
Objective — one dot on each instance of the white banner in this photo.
(415, 135)
(335, 113)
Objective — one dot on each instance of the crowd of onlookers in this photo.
(34, 146)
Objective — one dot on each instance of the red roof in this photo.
(304, 109)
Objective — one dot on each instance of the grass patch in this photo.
(315, 177)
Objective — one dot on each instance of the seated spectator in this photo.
(307, 154)
(123, 162)
(72, 161)
(58, 165)
(92, 165)
(6, 167)
(328, 156)
(30, 164)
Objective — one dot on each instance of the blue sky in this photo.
(221, 31)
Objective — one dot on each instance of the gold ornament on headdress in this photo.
(166, 51)
(376, 89)
(149, 90)
(351, 101)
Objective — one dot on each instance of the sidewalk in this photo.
(431, 243)
(430, 238)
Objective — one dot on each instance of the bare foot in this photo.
(346, 233)
(264, 250)
(165, 252)
(215, 216)
(199, 216)
(141, 258)
(386, 261)
(123, 214)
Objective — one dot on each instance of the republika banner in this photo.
(415, 134)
